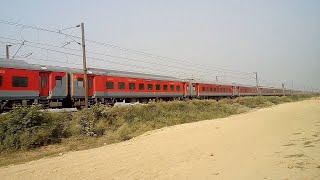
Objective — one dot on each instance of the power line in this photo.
(115, 46)
(160, 57)
(125, 64)
(125, 49)
(18, 49)
(119, 57)
(35, 28)
(47, 60)
(91, 66)
(109, 61)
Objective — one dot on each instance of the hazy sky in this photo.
(279, 39)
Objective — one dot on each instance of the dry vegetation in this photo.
(28, 133)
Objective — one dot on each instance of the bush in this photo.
(123, 132)
(90, 121)
(29, 127)
(251, 102)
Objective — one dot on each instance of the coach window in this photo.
(150, 86)
(80, 82)
(132, 86)
(207, 89)
(141, 86)
(171, 87)
(58, 81)
(178, 88)
(203, 89)
(19, 81)
(121, 85)
(165, 87)
(211, 89)
(109, 85)
(89, 83)
(158, 87)
(43, 81)
(0, 81)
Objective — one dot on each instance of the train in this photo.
(22, 83)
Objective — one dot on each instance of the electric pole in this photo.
(85, 80)
(7, 51)
(257, 82)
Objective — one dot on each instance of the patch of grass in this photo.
(24, 130)
(30, 127)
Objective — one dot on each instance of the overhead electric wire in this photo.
(161, 57)
(91, 66)
(182, 75)
(109, 55)
(35, 27)
(126, 64)
(118, 69)
(127, 50)
(119, 57)
(109, 61)
(115, 46)
(18, 49)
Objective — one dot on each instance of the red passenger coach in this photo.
(215, 90)
(248, 91)
(23, 83)
(18, 83)
(112, 86)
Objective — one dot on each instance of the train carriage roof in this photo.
(109, 72)
(20, 64)
(212, 83)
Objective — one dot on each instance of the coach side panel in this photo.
(58, 85)
(19, 84)
(123, 87)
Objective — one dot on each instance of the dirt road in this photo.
(282, 142)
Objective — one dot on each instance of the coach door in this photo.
(44, 84)
(90, 86)
(236, 90)
(192, 89)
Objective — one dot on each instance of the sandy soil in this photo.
(282, 142)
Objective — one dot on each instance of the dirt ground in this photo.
(281, 142)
